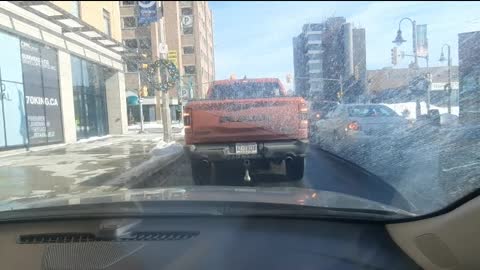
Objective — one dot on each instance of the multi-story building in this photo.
(62, 72)
(187, 34)
(143, 44)
(328, 57)
(469, 73)
(189, 30)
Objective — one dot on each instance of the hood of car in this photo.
(280, 195)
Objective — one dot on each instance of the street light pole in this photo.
(449, 84)
(399, 40)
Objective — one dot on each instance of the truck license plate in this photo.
(245, 148)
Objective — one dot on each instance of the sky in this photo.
(255, 38)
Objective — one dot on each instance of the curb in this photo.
(139, 174)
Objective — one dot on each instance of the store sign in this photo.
(422, 41)
(147, 12)
(42, 93)
(440, 86)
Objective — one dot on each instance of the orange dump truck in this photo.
(251, 122)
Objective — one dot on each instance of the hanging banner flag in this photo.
(422, 41)
(147, 12)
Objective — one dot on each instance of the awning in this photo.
(69, 23)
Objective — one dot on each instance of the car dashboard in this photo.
(199, 243)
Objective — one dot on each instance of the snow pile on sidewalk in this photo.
(164, 149)
(91, 139)
(146, 125)
(152, 125)
(162, 155)
(411, 107)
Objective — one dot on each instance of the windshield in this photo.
(245, 89)
(370, 111)
(338, 105)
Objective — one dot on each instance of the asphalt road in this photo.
(323, 171)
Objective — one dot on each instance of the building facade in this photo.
(329, 57)
(469, 72)
(61, 72)
(392, 85)
(142, 43)
(189, 30)
(185, 30)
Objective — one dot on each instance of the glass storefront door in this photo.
(13, 129)
(89, 98)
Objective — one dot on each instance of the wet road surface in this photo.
(323, 171)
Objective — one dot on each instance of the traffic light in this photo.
(144, 66)
(394, 56)
(143, 91)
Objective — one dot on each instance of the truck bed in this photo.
(244, 120)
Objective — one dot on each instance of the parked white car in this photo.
(359, 128)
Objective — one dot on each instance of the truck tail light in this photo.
(187, 118)
(303, 115)
(353, 126)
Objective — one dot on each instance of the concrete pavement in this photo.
(75, 167)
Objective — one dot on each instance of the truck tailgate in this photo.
(245, 120)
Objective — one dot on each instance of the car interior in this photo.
(447, 239)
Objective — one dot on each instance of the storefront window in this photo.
(89, 98)
(30, 110)
(12, 106)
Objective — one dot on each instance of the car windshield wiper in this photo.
(198, 208)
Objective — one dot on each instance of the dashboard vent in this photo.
(160, 236)
(55, 238)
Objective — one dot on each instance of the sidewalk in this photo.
(82, 166)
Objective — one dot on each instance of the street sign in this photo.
(162, 48)
(187, 20)
(173, 56)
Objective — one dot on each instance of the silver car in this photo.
(360, 128)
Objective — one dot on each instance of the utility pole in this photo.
(158, 36)
(140, 101)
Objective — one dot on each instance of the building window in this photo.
(76, 8)
(314, 37)
(145, 43)
(187, 11)
(129, 22)
(316, 27)
(189, 69)
(315, 66)
(186, 3)
(188, 30)
(131, 43)
(127, 3)
(188, 50)
(106, 23)
(132, 67)
(89, 98)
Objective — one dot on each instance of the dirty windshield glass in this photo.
(366, 111)
(246, 90)
(340, 105)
